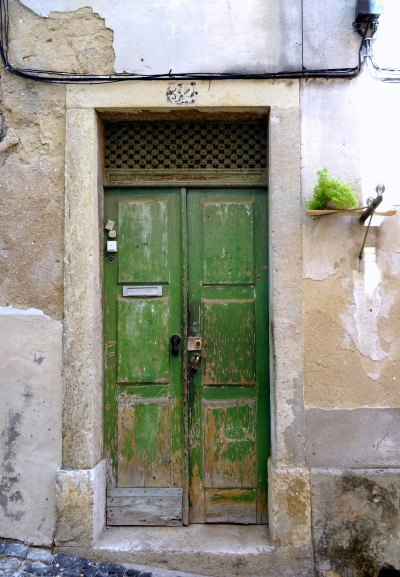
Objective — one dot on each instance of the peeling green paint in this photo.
(248, 496)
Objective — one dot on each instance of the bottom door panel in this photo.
(230, 506)
(144, 507)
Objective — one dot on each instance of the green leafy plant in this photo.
(333, 192)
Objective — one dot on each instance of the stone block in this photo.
(354, 438)
(289, 506)
(83, 365)
(80, 497)
(16, 550)
(355, 521)
(43, 555)
(286, 305)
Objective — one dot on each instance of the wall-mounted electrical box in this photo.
(368, 9)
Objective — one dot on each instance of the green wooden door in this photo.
(186, 435)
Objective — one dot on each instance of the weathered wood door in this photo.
(186, 433)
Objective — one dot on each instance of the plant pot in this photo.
(329, 205)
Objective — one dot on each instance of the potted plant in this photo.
(331, 194)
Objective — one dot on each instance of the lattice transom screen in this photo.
(186, 145)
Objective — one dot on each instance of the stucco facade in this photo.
(334, 469)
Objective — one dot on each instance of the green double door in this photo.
(186, 356)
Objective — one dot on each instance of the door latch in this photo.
(195, 365)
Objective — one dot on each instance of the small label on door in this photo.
(142, 291)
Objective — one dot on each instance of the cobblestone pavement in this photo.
(20, 560)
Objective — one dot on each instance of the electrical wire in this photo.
(391, 75)
(383, 74)
(62, 77)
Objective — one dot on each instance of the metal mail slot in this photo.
(142, 291)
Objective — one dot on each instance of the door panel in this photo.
(143, 227)
(144, 507)
(227, 271)
(158, 408)
(228, 249)
(229, 337)
(144, 325)
(230, 506)
(229, 444)
(143, 381)
(144, 442)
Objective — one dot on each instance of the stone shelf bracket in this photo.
(362, 213)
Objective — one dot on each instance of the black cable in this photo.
(302, 34)
(61, 77)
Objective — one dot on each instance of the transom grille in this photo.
(186, 146)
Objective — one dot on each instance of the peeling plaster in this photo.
(362, 318)
(10, 310)
(393, 259)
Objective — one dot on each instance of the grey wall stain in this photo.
(353, 533)
(9, 478)
(39, 357)
(9, 493)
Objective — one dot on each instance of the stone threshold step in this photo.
(211, 550)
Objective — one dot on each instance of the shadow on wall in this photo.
(389, 572)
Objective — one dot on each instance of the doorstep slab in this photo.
(212, 550)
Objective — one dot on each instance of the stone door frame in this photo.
(81, 483)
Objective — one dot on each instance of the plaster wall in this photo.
(30, 416)
(353, 302)
(153, 38)
(351, 345)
